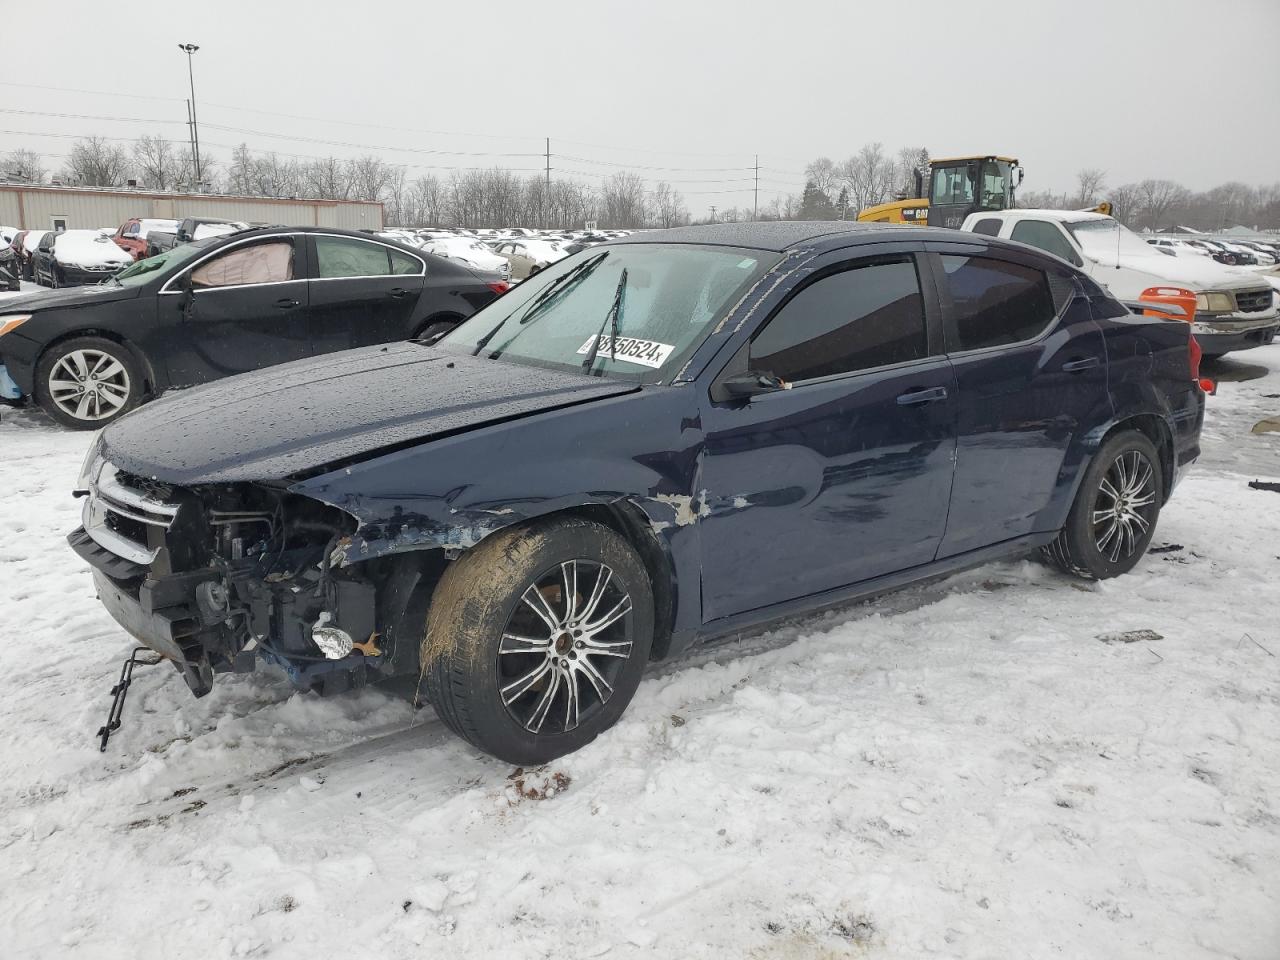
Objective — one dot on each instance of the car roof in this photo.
(784, 235)
(1062, 216)
(776, 235)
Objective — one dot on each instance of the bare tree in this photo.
(156, 163)
(622, 201)
(23, 165)
(1124, 201)
(328, 179)
(1090, 183)
(668, 206)
(909, 162)
(822, 174)
(95, 162)
(868, 175)
(370, 176)
(428, 201)
(1156, 198)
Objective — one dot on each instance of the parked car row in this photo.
(571, 484)
(67, 257)
(1235, 308)
(523, 251)
(215, 307)
(1234, 252)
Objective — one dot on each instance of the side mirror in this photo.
(744, 386)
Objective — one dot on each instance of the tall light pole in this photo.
(189, 49)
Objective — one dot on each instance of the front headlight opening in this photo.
(12, 321)
(1215, 303)
(92, 465)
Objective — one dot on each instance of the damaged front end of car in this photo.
(219, 577)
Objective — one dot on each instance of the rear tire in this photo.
(1114, 515)
(504, 644)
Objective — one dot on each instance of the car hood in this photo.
(66, 297)
(299, 417)
(1198, 273)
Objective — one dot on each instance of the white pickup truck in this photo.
(1235, 308)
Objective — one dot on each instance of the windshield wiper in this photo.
(611, 318)
(540, 300)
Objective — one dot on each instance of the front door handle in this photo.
(1083, 363)
(397, 292)
(286, 304)
(922, 395)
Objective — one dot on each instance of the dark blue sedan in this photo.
(653, 442)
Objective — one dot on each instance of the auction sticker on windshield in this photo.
(648, 353)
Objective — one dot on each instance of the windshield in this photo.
(661, 299)
(1104, 238)
(143, 270)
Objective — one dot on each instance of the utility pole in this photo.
(713, 213)
(546, 193)
(189, 49)
(755, 203)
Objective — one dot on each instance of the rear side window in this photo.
(338, 257)
(1046, 236)
(989, 226)
(870, 315)
(996, 302)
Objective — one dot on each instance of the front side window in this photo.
(259, 263)
(869, 316)
(1046, 236)
(996, 302)
(661, 300)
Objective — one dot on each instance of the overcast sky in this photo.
(1182, 89)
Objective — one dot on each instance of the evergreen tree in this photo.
(815, 205)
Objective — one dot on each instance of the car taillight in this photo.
(499, 287)
(1194, 355)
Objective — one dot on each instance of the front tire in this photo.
(537, 637)
(1114, 515)
(86, 382)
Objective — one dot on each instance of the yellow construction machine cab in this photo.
(958, 186)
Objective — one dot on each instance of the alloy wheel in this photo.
(89, 384)
(1124, 508)
(564, 646)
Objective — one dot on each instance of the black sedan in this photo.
(655, 442)
(213, 308)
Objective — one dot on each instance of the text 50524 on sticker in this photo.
(647, 353)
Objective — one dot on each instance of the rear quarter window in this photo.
(995, 302)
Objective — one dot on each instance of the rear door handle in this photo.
(922, 395)
(397, 292)
(1084, 363)
(286, 304)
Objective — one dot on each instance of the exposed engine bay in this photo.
(216, 578)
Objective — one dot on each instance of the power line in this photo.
(100, 93)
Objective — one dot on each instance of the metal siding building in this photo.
(38, 207)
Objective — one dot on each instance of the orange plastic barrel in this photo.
(1178, 296)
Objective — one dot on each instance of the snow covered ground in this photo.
(959, 770)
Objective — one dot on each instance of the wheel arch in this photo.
(151, 386)
(438, 316)
(429, 557)
(1157, 430)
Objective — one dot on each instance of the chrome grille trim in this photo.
(1253, 301)
(109, 497)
